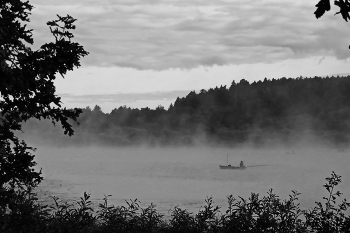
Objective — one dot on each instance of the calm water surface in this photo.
(186, 176)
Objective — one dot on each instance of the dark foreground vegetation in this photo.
(284, 111)
(255, 214)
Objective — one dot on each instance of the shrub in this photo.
(328, 217)
(255, 214)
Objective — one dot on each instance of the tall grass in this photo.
(255, 214)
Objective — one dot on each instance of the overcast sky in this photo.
(148, 52)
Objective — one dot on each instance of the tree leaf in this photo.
(322, 7)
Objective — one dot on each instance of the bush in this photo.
(328, 217)
(255, 214)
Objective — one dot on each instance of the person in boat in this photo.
(241, 164)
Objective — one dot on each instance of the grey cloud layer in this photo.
(124, 97)
(158, 35)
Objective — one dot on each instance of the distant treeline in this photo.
(284, 110)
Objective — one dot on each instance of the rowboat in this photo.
(228, 166)
(232, 167)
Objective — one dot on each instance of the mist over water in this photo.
(186, 176)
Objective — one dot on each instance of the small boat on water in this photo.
(232, 167)
(228, 166)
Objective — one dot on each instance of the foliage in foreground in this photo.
(27, 91)
(255, 214)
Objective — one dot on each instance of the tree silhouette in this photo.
(27, 89)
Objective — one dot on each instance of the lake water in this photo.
(186, 176)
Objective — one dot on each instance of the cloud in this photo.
(123, 97)
(129, 65)
(186, 34)
(321, 59)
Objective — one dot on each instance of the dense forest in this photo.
(279, 111)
